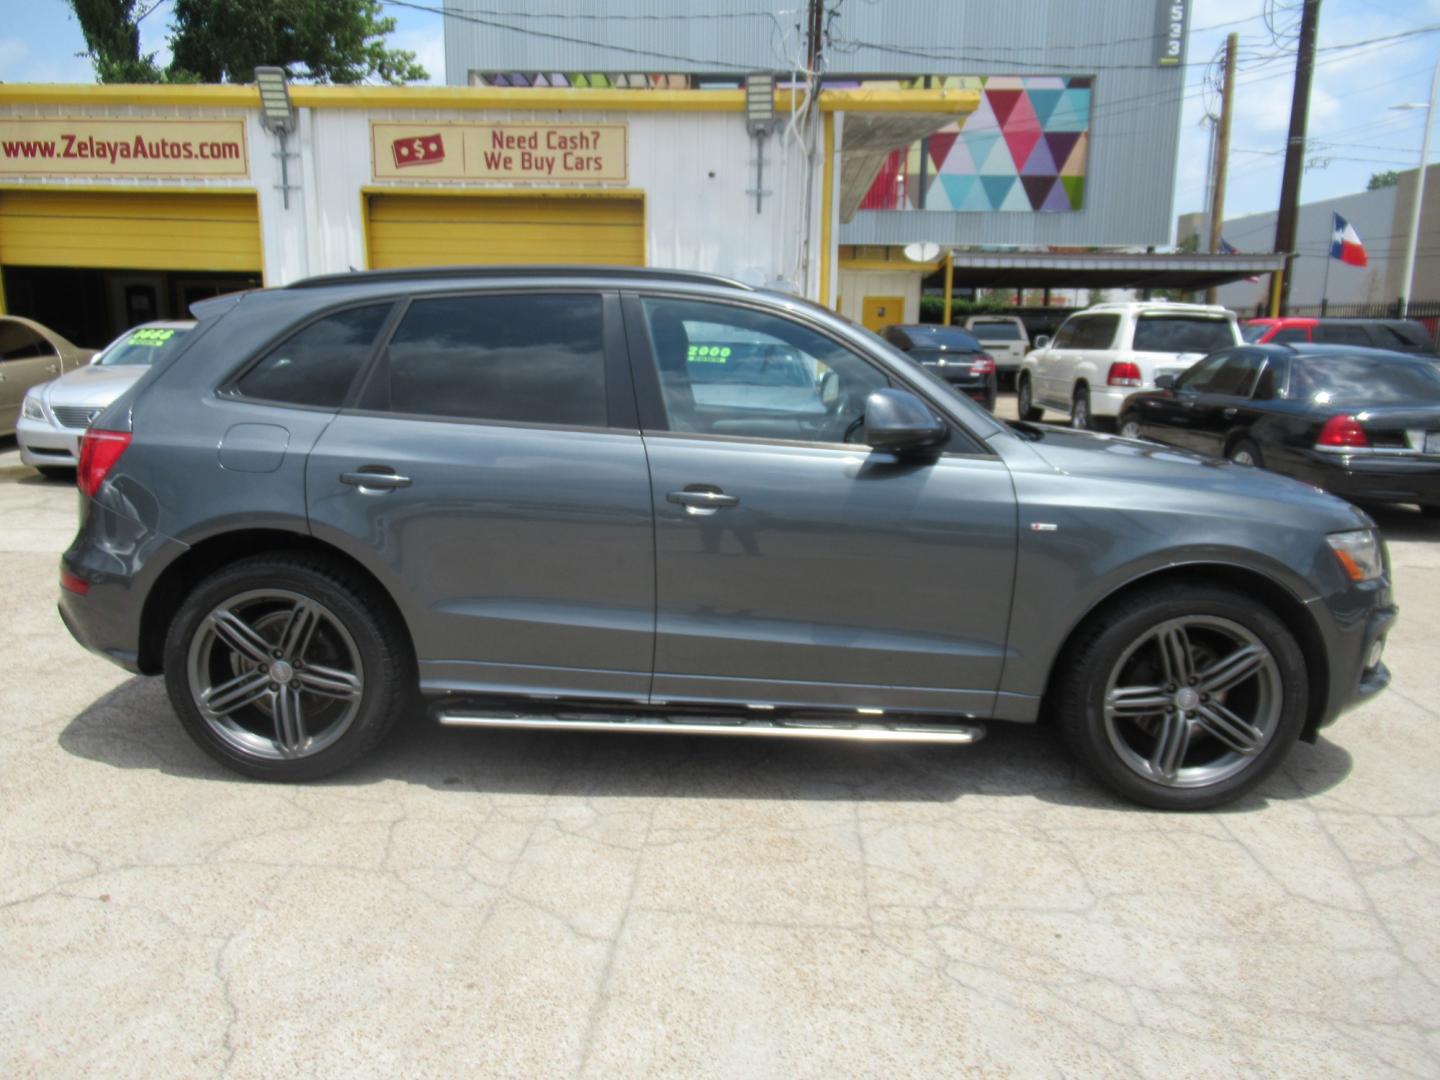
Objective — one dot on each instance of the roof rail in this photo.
(443, 273)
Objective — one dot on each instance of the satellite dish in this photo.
(922, 252)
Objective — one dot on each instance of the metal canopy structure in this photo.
(1042, 270)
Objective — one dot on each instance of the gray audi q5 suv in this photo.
(639, 500)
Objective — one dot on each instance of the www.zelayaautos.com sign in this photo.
(88, 147)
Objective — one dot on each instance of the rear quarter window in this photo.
(316, 365)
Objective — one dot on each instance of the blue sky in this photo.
(1353, 132)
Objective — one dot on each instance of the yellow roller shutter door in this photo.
(129, 230)
(449, 230)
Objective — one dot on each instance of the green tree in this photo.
(337, 41)
(1389, 178)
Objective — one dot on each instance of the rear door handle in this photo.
(376, 481)
(700, 499)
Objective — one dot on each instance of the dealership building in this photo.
(685, 140)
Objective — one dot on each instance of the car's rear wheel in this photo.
(286, 667)
(1245, 452)
(1130, 426)
(1080, 418)
(1183, 697)
(1025, 400)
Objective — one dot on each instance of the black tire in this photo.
(1024, 401)
(1099, 650)
(56, 472)
(1432, 511)
(1080, 417)
(388, 685)
(1129, 426)
(1245, 452)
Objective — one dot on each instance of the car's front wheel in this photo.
(1182, 697)
(1245, 452)
(1080, 410)
(287, 667)
(1025, 400)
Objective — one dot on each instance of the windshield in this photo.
(1182, 334)
(996, 331)
(1253, 332)
(142, 346)
(1358, 380)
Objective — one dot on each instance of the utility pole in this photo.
(1222, 155)
(817, 17)
(1287, 219)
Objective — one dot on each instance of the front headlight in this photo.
(1359, 552)
(32, 409)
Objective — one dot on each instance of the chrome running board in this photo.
(866, 731)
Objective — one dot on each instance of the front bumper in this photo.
(1355, 626)
(1383, 478)
(45, 443)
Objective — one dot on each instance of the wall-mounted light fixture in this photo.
(277, 116)
(759, 122)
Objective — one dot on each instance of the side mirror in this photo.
(1041, 341)
(1165, 382)
(899, 421)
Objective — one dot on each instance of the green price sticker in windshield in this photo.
(152, 337)
(709, 354)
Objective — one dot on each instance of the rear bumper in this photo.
(982, 391)
(119, 560)
(1383, 478)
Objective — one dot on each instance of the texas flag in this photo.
(1345, 243)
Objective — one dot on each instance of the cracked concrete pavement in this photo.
(535, 904)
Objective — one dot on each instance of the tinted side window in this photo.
(729, 370)
(1340, 334)
(1398, 337)
(21, 343)
(1288, 335)
(316, 365)
(1067, 335)
(1199, 377)
(530, 358)
(1097, 332)
(1236, 375)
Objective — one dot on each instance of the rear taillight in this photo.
(1124, 373)
(983, 364)
(1342, 431)
(99, 451)
(72, 583)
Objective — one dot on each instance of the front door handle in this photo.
(371, 482)
(1230, 413)
(702, 499)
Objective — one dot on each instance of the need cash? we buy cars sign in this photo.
(139, 147)
(523, 153)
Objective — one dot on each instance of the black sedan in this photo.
(953, 354)
(1362, 423)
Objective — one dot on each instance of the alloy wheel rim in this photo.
(1193, 701)
(1242, 457)
(275, 674)
(1130, 429)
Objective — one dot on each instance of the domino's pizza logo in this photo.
(418, 150)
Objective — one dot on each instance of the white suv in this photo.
(1102, 355)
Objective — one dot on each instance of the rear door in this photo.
(26, 360)
(794, 565)
(492, 474)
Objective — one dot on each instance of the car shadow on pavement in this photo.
(133, 727)
(1404, 523)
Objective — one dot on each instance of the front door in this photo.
(878, 312)
(795, 566)
(494, 476)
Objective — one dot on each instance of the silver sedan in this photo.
(55, 414)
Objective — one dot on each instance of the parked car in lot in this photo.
(504, 491)
(1362, 423)
(1402, 335)
(1102, 355)
(54, 415)
(30, 354)
(1005, 338)
(953, 355)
